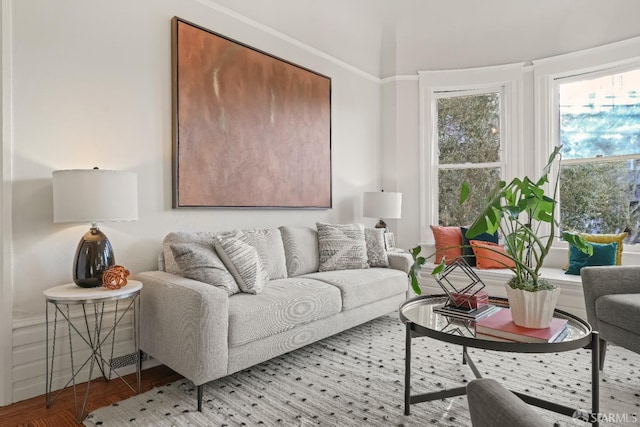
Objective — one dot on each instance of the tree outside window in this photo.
(469, 149)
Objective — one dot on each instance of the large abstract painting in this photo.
(249, 130)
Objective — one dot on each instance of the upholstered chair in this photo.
(491, 405)
(612, 300)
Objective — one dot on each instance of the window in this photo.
(469, 121)
(599, 128)
(468, 151)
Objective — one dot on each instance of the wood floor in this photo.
(34, 413)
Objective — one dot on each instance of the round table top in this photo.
(419, 312)
(71, 293)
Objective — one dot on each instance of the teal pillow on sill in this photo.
(603, 254)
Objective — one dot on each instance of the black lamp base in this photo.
(382, 224)
(93, 256)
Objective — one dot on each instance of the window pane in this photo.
(601, 117)
(481, 182)
(601, 197)
(469, 129)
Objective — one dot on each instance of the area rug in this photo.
(356, 378)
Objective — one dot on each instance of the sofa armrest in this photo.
(599, 281)
(490, 405)
(400, 261)
(184, 325)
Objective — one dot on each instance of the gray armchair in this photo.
(491, 405)
(612, 300)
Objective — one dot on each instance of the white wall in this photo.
(91, 86)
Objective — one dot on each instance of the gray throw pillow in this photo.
(301, 249)
(268, 243)
(242, 260)
(376, 252)
(341, 246)
(199, 261)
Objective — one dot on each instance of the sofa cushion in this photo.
(199, 261)
(621, 310)
(268, 243)
(283, 304)
(242, 261)
(182, 237)
(341, 246)
(376, 251)
(301, 250)
(361, 287)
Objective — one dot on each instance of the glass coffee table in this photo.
(421, 321)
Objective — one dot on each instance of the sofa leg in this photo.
(603, 352)
(200, 389)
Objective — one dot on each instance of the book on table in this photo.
(466, 312)
(500, 326)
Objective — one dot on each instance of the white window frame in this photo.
(549, 73)
(506, 79)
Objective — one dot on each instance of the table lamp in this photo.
(381, 204)
(94, 195)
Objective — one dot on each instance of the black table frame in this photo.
(589, 341)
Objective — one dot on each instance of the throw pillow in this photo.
(376, 252)
(467, 250)
(448, 243)
(242, 260)
(341, 246)
(200, 262)
(608, 238)
(490, 255)
(301, 249)
(603, 254)
(270, 249)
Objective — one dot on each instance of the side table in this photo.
(89, 328)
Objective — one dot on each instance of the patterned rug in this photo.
(356, 378)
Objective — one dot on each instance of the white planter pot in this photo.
(532, 309)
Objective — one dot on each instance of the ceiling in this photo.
(396, 37)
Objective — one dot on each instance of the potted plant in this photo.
(522, 212)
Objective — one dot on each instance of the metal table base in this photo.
(89, 327)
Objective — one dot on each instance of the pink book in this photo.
(501, 325)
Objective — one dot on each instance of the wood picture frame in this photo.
(250, 130)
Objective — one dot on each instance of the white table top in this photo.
(72, 293)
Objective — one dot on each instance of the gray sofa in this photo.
(206, 331)
(612, 300)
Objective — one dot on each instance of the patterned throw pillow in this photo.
(199, 261)
(376, 252)
(341, 246)
(268, 243)
(242, 260)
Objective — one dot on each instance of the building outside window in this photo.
(599, 128)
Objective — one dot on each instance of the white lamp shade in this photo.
(94, 195)
(382, 204)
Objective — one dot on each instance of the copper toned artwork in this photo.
(250, 130)
(115, 277)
